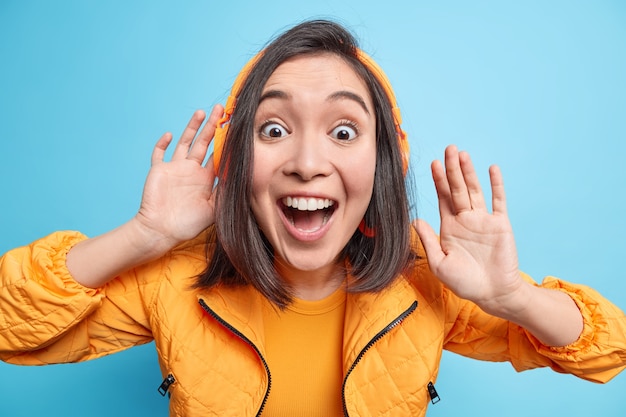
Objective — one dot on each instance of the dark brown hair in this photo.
(239, 252)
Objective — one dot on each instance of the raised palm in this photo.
(178, 198)
(475, 254)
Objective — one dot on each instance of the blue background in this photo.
(86, 88)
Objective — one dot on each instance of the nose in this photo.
(310, 156)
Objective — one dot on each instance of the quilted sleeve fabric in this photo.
(47, 317)
(598, 355)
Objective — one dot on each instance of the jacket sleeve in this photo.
(47, 317)
(598, 355)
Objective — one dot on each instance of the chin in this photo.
(310, 262)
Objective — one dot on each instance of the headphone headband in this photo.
(222, 126)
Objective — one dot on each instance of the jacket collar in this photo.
(366, 313)
(241, 308)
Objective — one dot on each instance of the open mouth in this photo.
(307, 214)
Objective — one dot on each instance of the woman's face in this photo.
(314, 160)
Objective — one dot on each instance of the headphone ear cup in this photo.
(405, 152)
(218, 145)
(222, 126)
(221, 130)
(402, 136)
(403, 141)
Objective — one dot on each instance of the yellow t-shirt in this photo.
(304, 354)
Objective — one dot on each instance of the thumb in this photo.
(431, 243)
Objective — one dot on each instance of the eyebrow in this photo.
(337, 95)
(274, 94)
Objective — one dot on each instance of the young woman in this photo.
(297, 285)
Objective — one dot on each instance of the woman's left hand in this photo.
(475, 254)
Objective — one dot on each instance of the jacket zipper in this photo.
(248, 342)
(371, 343)
(165, 385)
(432, 392)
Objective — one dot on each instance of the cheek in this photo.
(359, 174)
(260, 206)
(262, 174)
(260, 169)
(259, 184)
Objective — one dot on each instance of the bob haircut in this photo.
(239, 252)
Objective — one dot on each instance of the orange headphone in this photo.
(231, 102)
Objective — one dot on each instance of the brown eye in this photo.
(344, 132)
(273, 130)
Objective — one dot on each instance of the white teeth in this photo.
(310, 204)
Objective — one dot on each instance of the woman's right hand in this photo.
(178, 200)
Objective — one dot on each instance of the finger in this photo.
(186, 139)
(474, 190)
(215, 180)
(158, 153)
(443, 189)
(212, 173)
(458, 189)
(200, 146)
(498, 196)
(431, 243)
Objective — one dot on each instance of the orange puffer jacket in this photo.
(211, 343)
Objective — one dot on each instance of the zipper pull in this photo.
(434, 397)
(165, 385)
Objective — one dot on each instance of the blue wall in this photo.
(537, 87)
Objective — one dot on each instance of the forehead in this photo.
(325, 71)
